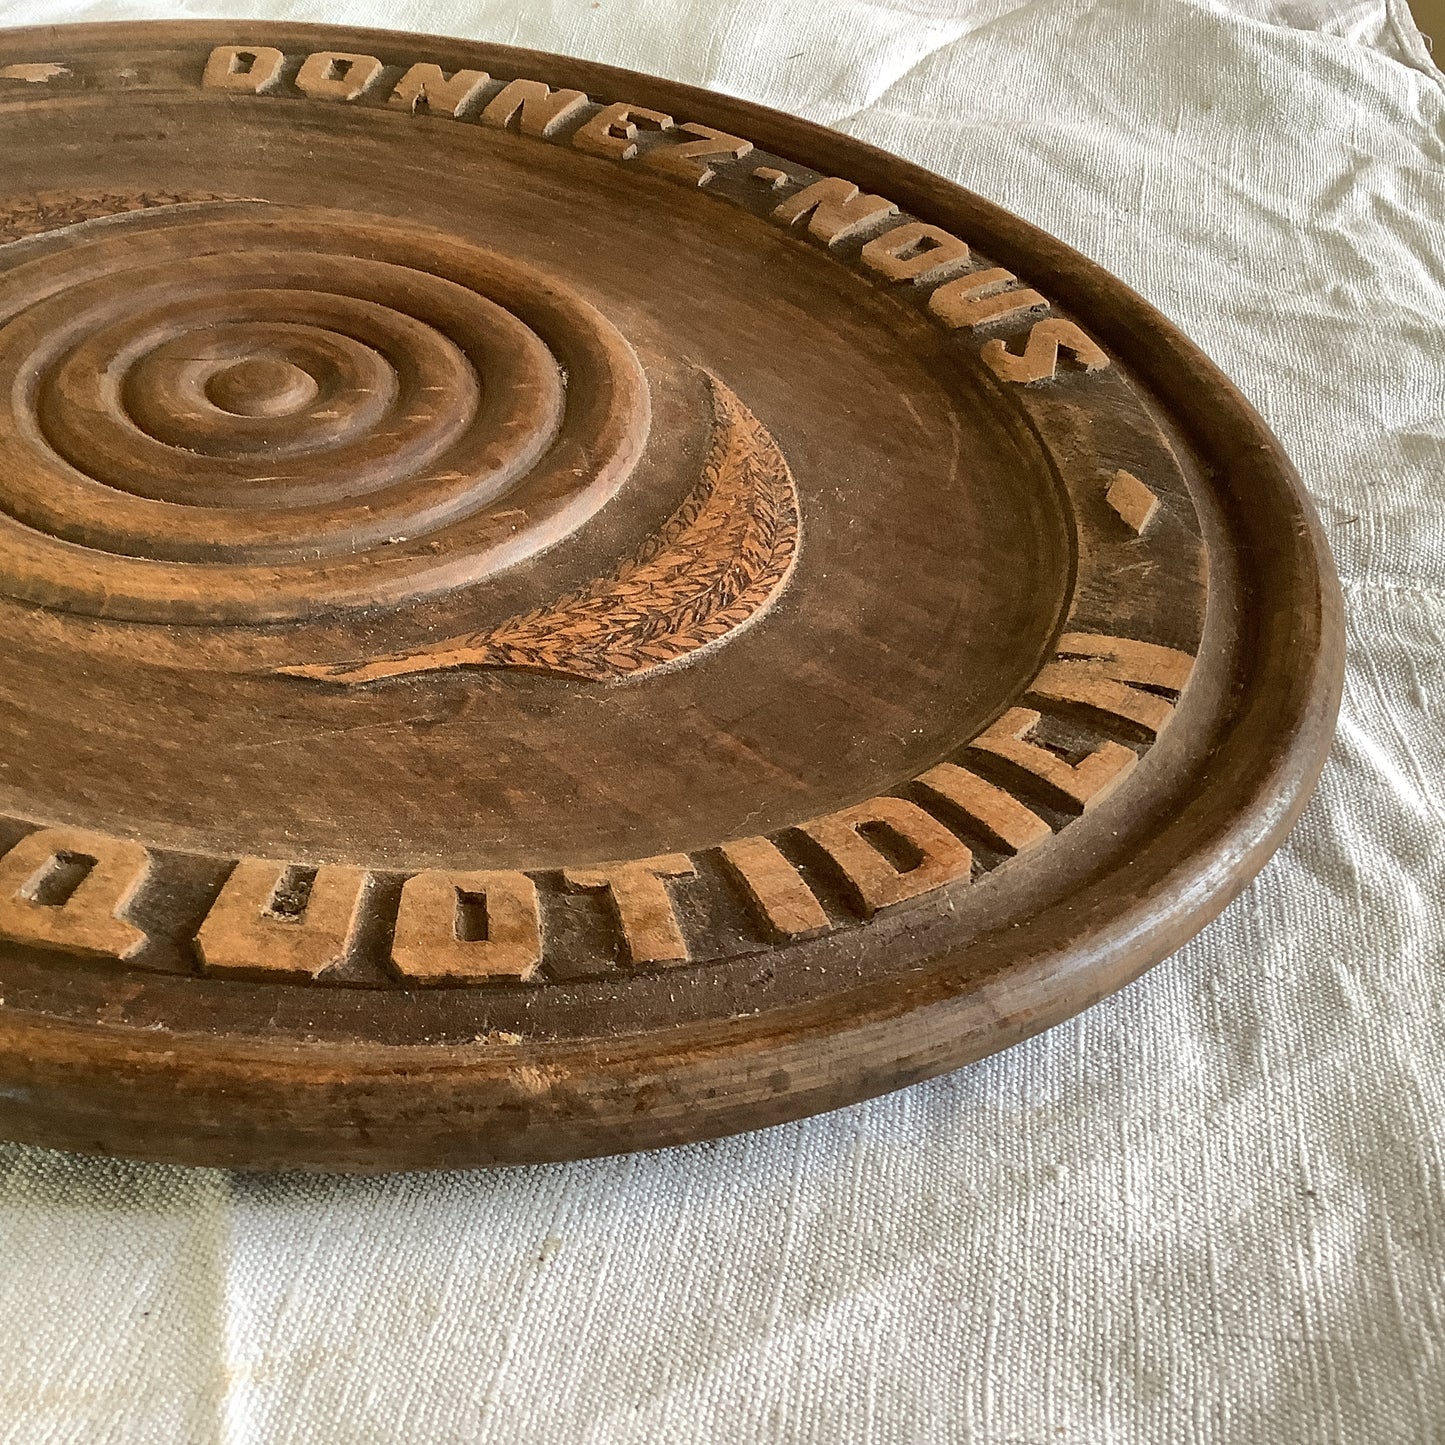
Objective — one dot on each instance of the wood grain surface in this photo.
(547, 612)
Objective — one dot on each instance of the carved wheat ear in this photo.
(717, 562)
(50, 210)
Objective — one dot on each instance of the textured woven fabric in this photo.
(1212, 1208)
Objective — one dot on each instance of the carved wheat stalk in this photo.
(713, 566)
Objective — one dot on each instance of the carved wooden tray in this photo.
(545, 611)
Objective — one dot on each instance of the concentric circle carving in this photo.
(238, 413)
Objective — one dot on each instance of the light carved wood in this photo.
(270, 923)
(639, 892)
(1073, 785)
(1132, 500)
(791, 908)
(88, 915)
(719, 561)
(1004, 821)
(428, 947)
(1039, 360)
(850, 838)
(987, 296)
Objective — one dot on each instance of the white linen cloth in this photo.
(1210, 1209)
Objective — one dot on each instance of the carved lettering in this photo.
(914, 252)
(1075, 786)
(877, 881)
(1040, 357)
(981, 298)
(537, 108)
(1146, 663)
(832, 207)
(34, 72)
(248, 933)
(789, 906)
(834, 210)
(336, 75)
(644, 906)
(428, 946)
(251, 69)
(88, 915)
(688, 161)
(612, 132)
(1105, 675)
(430, 88)
(998, 815)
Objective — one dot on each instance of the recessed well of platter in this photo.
(541, 769)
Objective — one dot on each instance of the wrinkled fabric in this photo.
(1210, 1209)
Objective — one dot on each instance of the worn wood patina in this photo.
(546, 611)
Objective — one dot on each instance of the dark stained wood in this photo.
(545, 611)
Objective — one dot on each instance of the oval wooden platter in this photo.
(547, 612)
